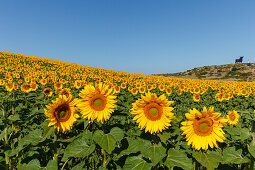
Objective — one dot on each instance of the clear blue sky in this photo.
(137, 36)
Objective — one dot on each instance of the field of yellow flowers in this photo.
(59, 115)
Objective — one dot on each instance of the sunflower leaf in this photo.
(134, 146)
(52, 165)
(251, 150)
(164, 136)
(210, 160)
(33, 138)
(106, 141)
(117, 133)
(231, 156)
(32, 165)
(78, 148)
(153, 151)
(178, 158)
(136, 163)
(47, 131)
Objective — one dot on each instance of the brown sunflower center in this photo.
(63, 112)
(203, 126)
(98, 102)
(153, 111)
(47, 91)
(232, 117)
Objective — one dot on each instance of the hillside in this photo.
(229, 72)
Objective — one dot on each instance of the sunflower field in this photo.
(59, 115)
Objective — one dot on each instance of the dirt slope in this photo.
(229, 72)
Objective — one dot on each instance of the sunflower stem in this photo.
(105, 160)
(26, 100)
(55, 157)
(64, 164)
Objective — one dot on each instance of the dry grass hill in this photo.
(229, 72)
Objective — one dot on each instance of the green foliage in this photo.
(178, 158)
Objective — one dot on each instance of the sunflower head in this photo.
(203, 129)
(196, 97)
(153, 113)
(66, 92)
(26, 87)
(9, 86)
(62, 113)
(97, 102)
(233, 117)
(47, 92)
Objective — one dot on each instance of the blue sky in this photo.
(136, 36)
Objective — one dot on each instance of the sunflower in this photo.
(2, 82)
(16, 87)
(161, 87)
(20, 81)
(97, 102)
(77, 84)
(47, 92)
(233, 117)
(62, 113)
(34, 86)
(196, 97)
(58, 85)
(203, 129)
(153, 113)
(123, 85)
(134, 91)
(168, 91)
(9, 86)
(142, 90)
(179, 92)
(26, 87)
(149, 87)
(43, 81)
(66, 92)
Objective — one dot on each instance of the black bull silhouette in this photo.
(240, 60)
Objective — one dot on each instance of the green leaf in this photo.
(178, 158)
(134, 146)
(14, 117)
(47, 131)
(117, 133)
(136, 163)
(79, 166)
(244, 133)
(164, 136)
(52, 165)
(2, 159)
(33, 138)
(252, 150)
(210, 160)
(9, 130)
(231, 156)
(102, 168)
(32, 165)
(153, 151)
(2, 134)
(106, 141)
(78, 148)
